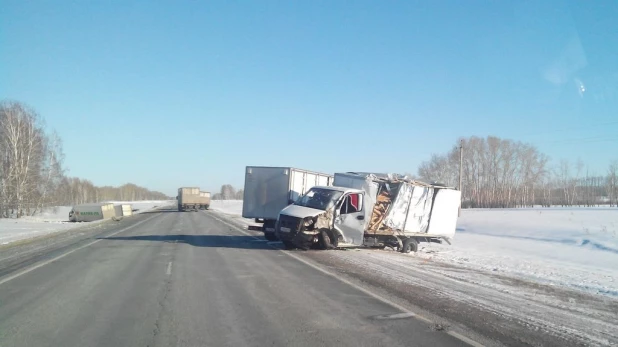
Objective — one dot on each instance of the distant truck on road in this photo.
(191, 198)
(270, 189)
(373, 210)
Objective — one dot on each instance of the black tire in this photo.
(326, 239)
(288, 244)
(409, 245)
(271, 236)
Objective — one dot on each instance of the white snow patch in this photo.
(572, 247)
(231, 207)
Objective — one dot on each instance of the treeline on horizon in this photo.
(496, 173)
(501, 173)
(32, 172)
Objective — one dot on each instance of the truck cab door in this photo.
(350, 218)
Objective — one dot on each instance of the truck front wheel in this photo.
(409, 245)
(326, 239)
(288, 244)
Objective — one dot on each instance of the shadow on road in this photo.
(161, 210)
(219, 241)
(164, 210)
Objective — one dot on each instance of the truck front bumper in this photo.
(298, 239)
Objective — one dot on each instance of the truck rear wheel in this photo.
(270, 236)
(409, 245)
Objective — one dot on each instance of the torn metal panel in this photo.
(396, 205)
(325, 220)
(396, 217)
(419, 211)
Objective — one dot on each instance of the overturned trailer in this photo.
(123, 210)
(375, 210)
(92, 212)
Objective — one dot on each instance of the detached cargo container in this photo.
(270, 189)
(205, 200)
(92, 212)
(123, 210)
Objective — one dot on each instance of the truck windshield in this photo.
(320, 199)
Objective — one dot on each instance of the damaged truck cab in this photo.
(323, 217)
(374, 210)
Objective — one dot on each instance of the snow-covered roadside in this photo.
(54, 220)
(575, 248)
(233, 210)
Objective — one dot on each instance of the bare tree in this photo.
(228, 192)
(612, 183)
(496, 172)
(23, 144)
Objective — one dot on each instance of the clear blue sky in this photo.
(173, 93)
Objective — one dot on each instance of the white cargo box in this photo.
(270, 189)
(123, 210)
(189, 190)
(92, 212)
(405, 207)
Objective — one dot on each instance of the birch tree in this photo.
(495, 172)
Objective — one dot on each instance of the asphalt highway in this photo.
(189, 279)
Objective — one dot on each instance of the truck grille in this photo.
(293, 223)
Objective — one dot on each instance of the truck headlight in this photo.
(309, 222)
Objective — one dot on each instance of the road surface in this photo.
(190, 279)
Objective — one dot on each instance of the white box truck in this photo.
(92, 212)
(375, 210)
(269, 189)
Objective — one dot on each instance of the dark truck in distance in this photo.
(269, 189)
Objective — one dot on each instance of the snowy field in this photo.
(53, 220)
(569, 247)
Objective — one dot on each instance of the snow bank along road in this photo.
(55, 220)
(166, 278)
